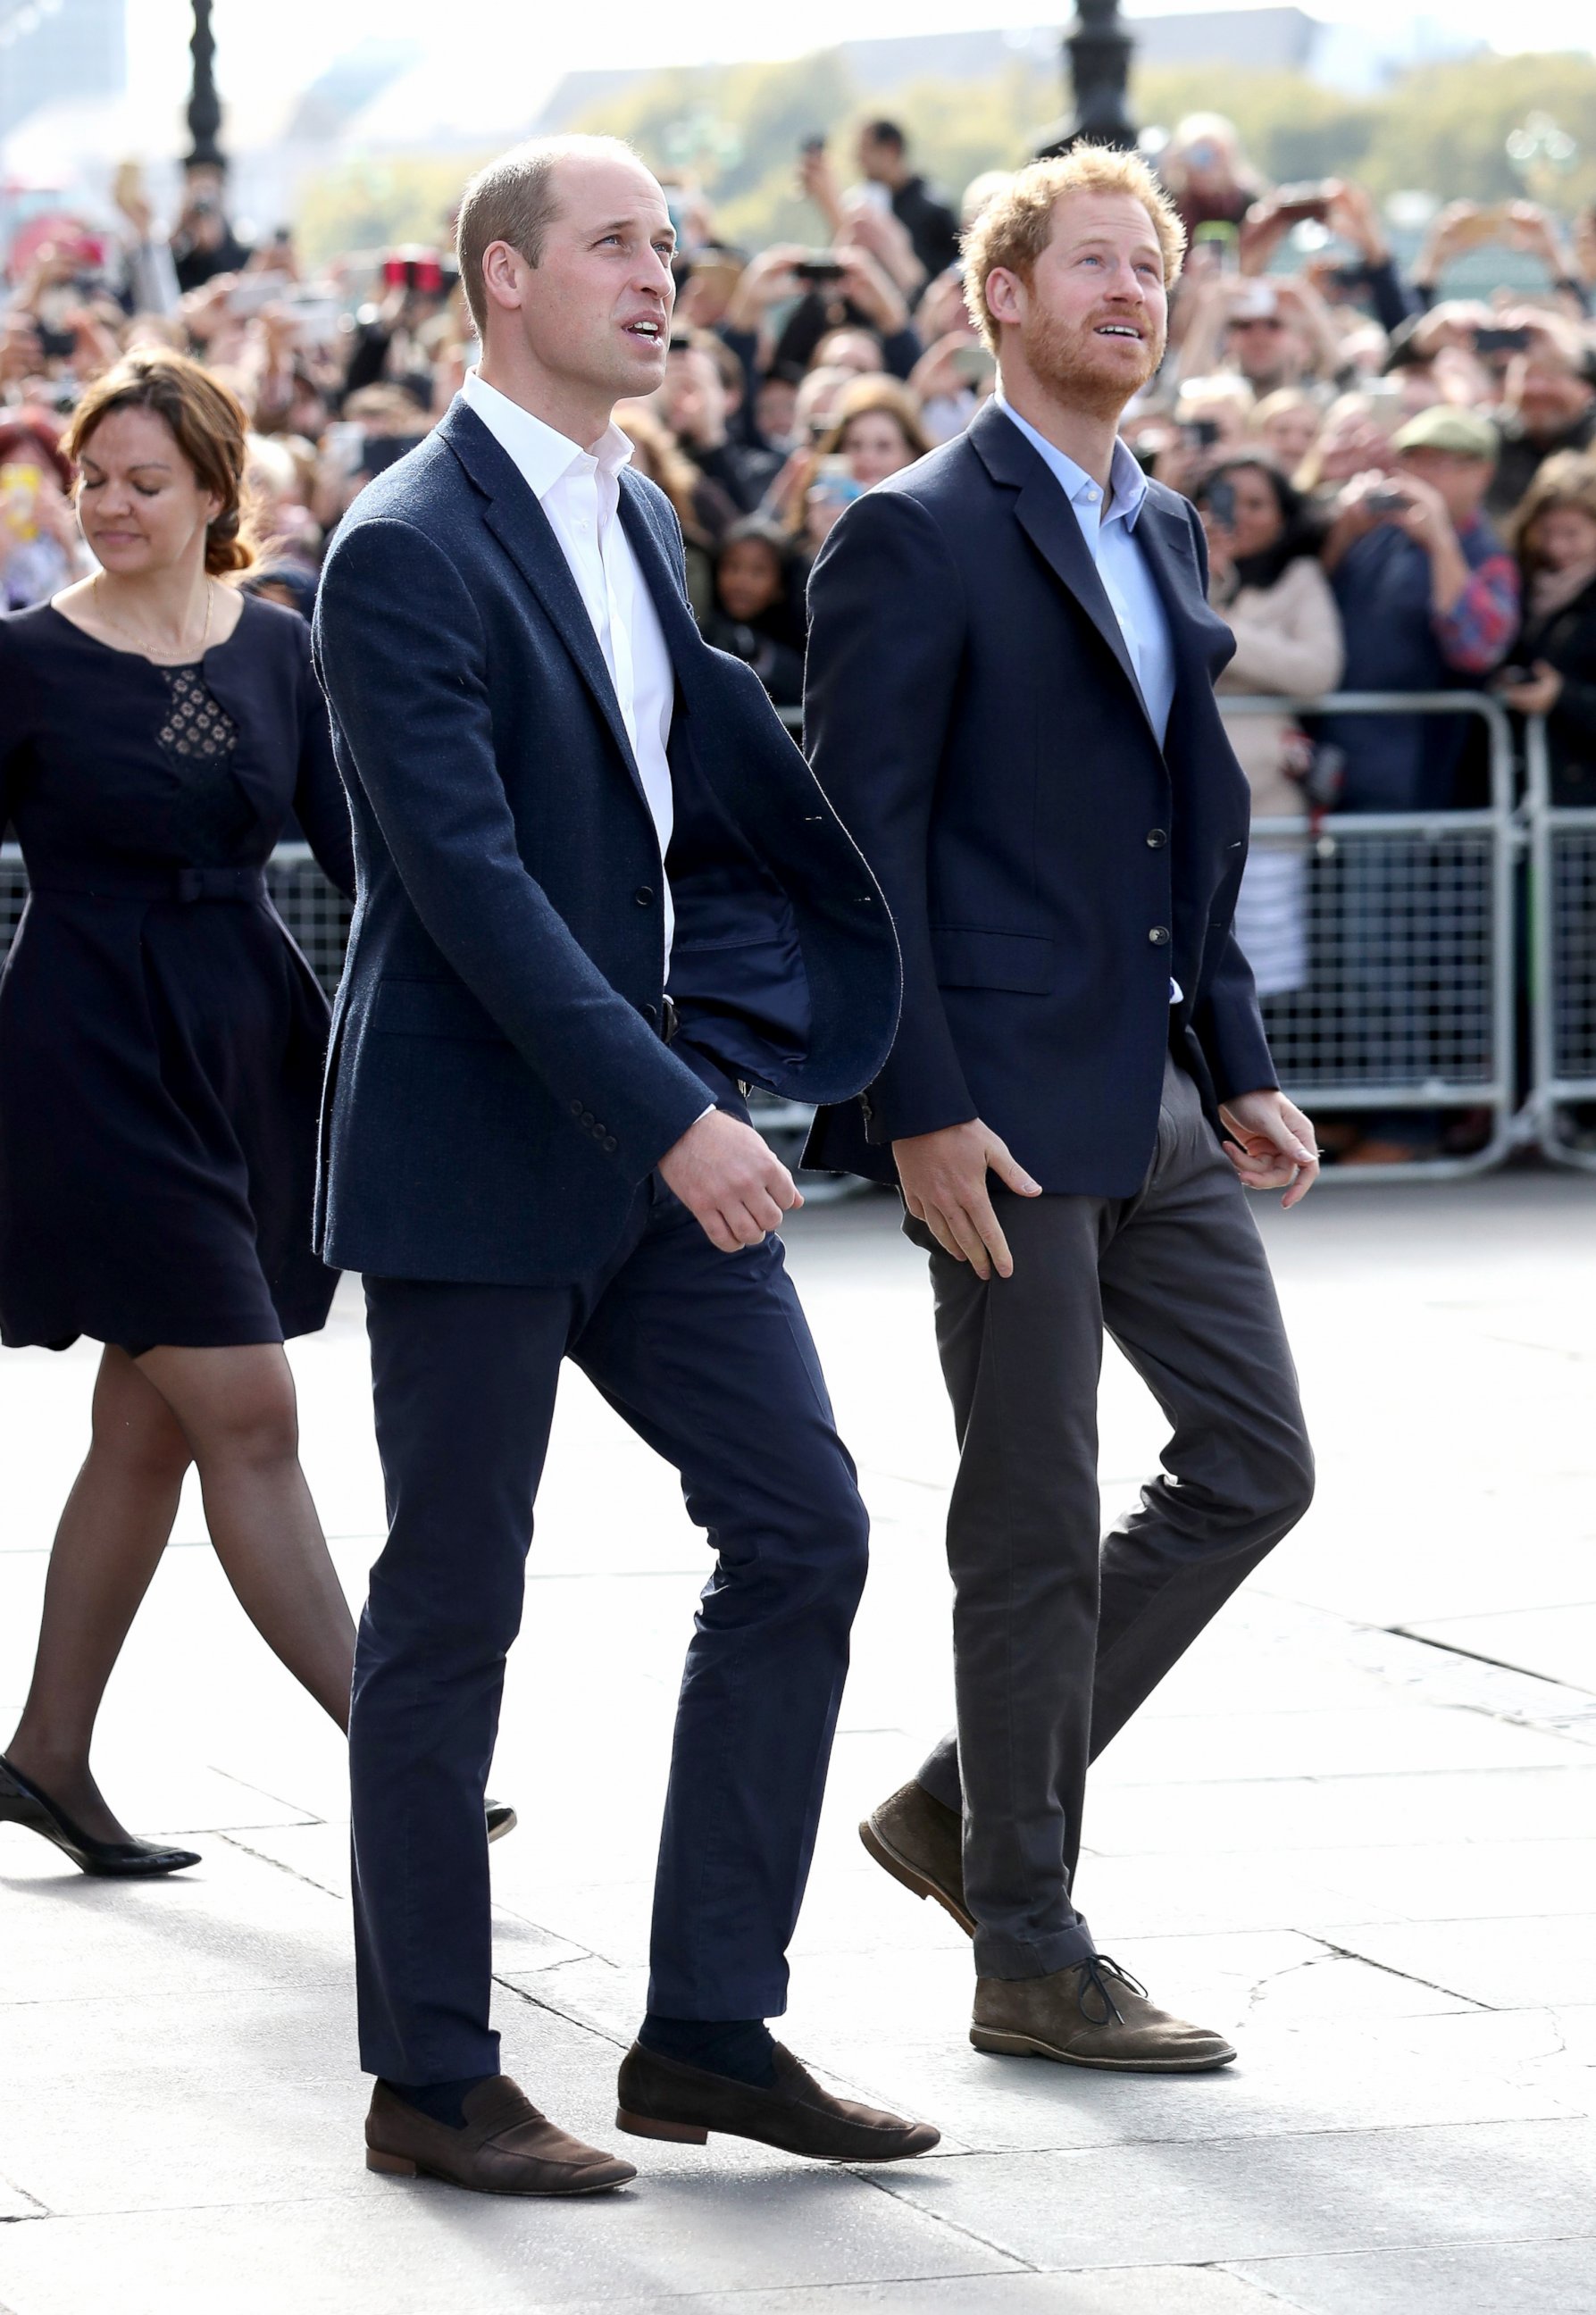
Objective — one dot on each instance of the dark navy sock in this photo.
(445, 2102)
(739, 2047)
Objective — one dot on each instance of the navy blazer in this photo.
(497, 1082)
(972, 712)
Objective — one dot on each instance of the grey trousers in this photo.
(1057, 1638)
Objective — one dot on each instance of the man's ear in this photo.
(502, 275)
(1006, 295)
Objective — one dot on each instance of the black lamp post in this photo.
(205, 106)
(1099, 50)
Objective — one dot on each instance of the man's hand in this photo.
(1274, 1147)
(729, 1181)
(872, 289)
(943, 1176)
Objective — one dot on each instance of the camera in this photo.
(818, 268)
(1494, 341)
(1387, 502)
(419, 270)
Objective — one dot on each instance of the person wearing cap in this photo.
(1429, 600)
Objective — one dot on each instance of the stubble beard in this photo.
(1072, 364)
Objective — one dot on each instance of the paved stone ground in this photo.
(1354, 1830)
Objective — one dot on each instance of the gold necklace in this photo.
(144, 646)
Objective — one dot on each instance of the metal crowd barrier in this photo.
(1407, 996)
(1561, 1113)
(1406, 1002)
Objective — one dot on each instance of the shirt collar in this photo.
(542, 454)
(1127, 483)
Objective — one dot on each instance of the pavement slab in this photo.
(1353, 1829)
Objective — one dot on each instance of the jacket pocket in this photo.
(432, 1008)
(967, 957)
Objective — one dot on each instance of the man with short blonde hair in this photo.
(1010, 700)
(1017, 225)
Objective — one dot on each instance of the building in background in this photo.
(53, 51)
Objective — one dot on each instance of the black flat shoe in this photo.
(502, 1819)
(22, 1803)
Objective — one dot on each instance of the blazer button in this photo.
(644, 896)
(1159, 936)
(651, 1014)
(1158, 837)
(587, 1119)
(609, 1142)
(576, 1109)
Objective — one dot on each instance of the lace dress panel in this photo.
(211, 816)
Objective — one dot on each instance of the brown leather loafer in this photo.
(506, 2146)
(919, 1840)
(1092, 2014)
(662, 2098)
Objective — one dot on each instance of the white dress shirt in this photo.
(1108, 526)
(579, 491)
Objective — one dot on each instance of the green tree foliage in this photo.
(373, 203)
(737, 129)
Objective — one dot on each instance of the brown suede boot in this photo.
(919, 1840)
(1091, 2014)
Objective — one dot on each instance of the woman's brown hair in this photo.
(1568, 478)
(207, 424)
(863, 398)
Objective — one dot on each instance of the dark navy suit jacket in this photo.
(972, 712)
(497, 1085)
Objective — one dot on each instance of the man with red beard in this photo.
(1011, 704)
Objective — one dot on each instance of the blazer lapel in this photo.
(518, 522)
(1165, 545)
(1048, 521)
(659, 573)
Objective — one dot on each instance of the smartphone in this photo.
(1200, 433)
(817, 269)
(251, 291)
(973, 364)
(1295, 204)
(1387, 502)
(1492, 340)
(1222, 241)
(315, 320)
(813, 143)
(1220, 502)
(1509, 678)
(343, 445)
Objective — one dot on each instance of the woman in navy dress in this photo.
(161, 1050)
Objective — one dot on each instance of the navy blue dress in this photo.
(160, 1035)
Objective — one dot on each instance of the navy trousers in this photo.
(707, 1356)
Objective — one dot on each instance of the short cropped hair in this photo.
(515, 198)
(1017, 223)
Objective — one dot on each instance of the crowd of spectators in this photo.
(1397, 483)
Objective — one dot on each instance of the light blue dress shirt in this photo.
(1110, 533)
(1111, 542)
